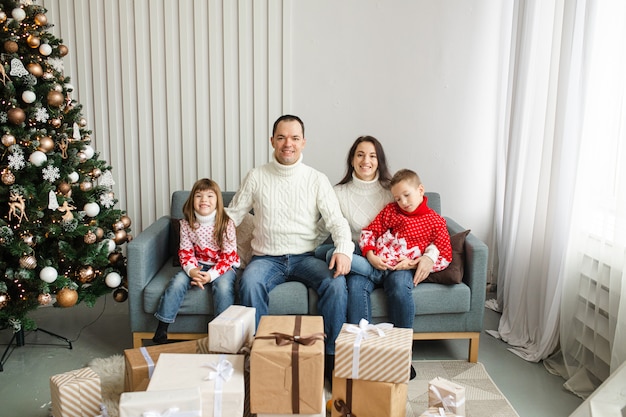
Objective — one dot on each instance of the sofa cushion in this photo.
(453, 274)
(429, 298)
(244, 238)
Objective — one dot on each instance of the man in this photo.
(288, 199)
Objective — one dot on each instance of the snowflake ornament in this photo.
(41, 115)
(3, 117)
(51, 173)
(16, 161)
(107, 200)
(56, 63)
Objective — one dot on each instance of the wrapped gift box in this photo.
(140, 362)
(220, 378)
(135, 404)
(437, 412)
(374, 352)
(368, 398)
(287, 374)
(320, 414)
(232, 329)
(76, 393)
(446, 394)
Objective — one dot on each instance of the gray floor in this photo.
(104, 330)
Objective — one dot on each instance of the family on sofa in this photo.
(399, 243)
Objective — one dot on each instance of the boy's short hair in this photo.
(405, 175)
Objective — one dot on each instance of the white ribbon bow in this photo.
(222, 371)
(447, 402)
(361, 332)
(173, 412)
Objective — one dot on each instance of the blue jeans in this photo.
(398, 287)
(222, 288)
(264, 273)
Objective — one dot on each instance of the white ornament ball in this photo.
(111, 245)
(113, 280)
(38, 158)
(18, 14)
(29, 96)
(88, 151)
(45, 49)
(48, 274)
(73, 177)
(91, 209)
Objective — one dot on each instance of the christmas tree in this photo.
(60, 235)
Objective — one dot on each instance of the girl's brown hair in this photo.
(221, 218)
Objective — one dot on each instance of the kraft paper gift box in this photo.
(437, 412)
(320, 414)
(140, 362)
(446, 394)
(232, 329)
(178, 402)
(374, 352)
(220, 378)
(287, 365)
(76, 393)
(368, 398)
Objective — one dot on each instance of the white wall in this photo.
(178, 90)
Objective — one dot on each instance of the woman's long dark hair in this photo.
(384, 176)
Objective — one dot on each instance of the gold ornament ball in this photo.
(96, 172)
(90, 237)
(16, 116)
(44, 299)
(120, 237)
(33, 41)
(86, 185)
(99, 233)
(8, 140)
(46, 144)
(35, 69)
(67, 297)
(41, 19)
(4, 300)
(115, 258)
(126, 221)
(55, 98)
(56, 122)
(86, 274)
(64, 188)
(11, 47)
(82, 122)
(28, 262)
(8, 178)
(63, 50)
(120, 294)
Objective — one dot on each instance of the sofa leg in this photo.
(473, 337)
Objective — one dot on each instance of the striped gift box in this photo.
(374, 352)
(76, 394)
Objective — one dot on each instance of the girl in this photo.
(207, 253)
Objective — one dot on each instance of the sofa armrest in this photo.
(146, 254)
(475, 270)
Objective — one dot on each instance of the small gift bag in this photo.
(447, 395)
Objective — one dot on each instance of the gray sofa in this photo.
(442, 311)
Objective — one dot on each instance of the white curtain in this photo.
(561, 205)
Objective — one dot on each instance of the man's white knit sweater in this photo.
(361, 201)
(288, 201)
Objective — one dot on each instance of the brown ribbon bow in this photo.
(343, 408)
(283, 339)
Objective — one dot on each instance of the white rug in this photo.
(483, 398)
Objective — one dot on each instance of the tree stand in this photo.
(19, 337)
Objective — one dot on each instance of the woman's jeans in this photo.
(364, 278)
(264, 273)
(223, 289)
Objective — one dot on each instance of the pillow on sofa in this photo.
(244, 237)
(453, 274)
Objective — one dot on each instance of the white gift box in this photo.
(232, 329)
(176, 402)
(76, 393)
(220, 378)
(372, 352)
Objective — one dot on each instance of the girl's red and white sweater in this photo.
(198, 246)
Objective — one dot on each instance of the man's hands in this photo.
(340, 263)
(199, 278)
